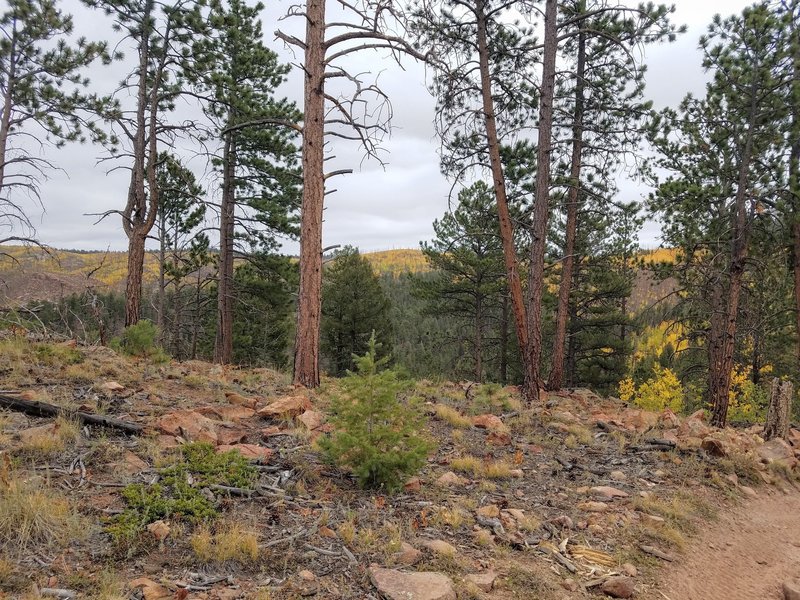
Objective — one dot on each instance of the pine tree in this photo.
(354, 307)
(43, 97)
(722, 156)
(469, 280)
(377, 433)
(237, 76)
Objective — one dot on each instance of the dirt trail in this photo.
(746, 555)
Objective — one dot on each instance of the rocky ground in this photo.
(581, 497)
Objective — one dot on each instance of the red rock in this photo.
(791, 590)
(693, 427)
(639, 420)
(413, 485)
(490, 422)
(249, 451)
(669, 419)
(327, 532)
(608, 492)
(483, 581)
(225, 412)
(150, 589)
(397, 585)
(593, 506)
(491, 511)
(407, 556)
(288, 406)
(449, 479)
(189, 425)
(714, 447)
(111, 387)
(498, 438)
(440, 547)
(239, 400)
(131, 463)
(227, 436)
(312, 419)
(618, 587)
(271, 430)
(775, 450)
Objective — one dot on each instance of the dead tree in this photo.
(350, 108)
(780, 402)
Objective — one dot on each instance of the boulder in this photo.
(593, 506)
(229, 435)
(440, 547)
(774, 450)
(714, 447)
(188, 424)
(150, 590)
(413, 485)
(288, 406)
(249, 451)
(407, 556)
(791, 590)
(490, 422)
(226, 412)
(606, 491)
(111, 387)
(450, 479)
(483, 581)
(669, 419)
(492, 511)
(396, 585)
(311, 419)
(498, 438)
(618, 587)
(239, 400)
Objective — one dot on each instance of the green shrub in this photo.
(177, 494)
(377, 434)
(140, 340)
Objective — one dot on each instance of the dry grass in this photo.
(478, 468)
(50, 440)
(231, 542)
(581, 434)
(498, 470)
(34, 516)
(454, 518)
(451, 416)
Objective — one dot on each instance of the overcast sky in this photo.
(376, 207)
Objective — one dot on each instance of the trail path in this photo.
(746, 555)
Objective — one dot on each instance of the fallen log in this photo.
(43, 409)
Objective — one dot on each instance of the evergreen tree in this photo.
(469, 281)
(353, 307)
(721, 154)
(43, 97)
(236, 76)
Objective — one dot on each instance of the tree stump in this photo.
(780, 402)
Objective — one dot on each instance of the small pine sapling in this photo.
(377, 433)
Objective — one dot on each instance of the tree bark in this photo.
(780, 402)
(479, 339)
(162, 257)
(794, 170)
(504, 340)
(530, 388)
(556, 378)
(541, 205)
(223, 344)
(309, 300)
(720, 369)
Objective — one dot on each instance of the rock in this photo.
(694, 427)
(483, 581)
(229, 435)
(159, 529)
(639, 420)
(516, 514)
(188, 424)
(249, 451)
(617, 476)
(306, 575)
(407, 556)
(618, 587)
(327, 532)
(111, 387)
(239, 400)
(225, 412)
(440, 547)
(150, 589)
(517, 473)
(563, 521)
(413, 485)
(569, 585)
(593, 506)
(397, 585)
(498, 438)
(775, 450)
(668, 419)
(733, 479)
(629, 570)
(791, 590)
(288, 406)
(491, 511)
(36, 434)
(608, 492)
(311, 419)
(131, 464)
(714, 447)
(748, 491)
(449, 479)
(490, 422)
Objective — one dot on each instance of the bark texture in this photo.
(780, 402)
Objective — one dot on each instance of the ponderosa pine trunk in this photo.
(780, 401)
(530, 385)
(556, 378)
(504, 341)
(479, 339)
(541, 205)
(309, 300)
(720, 370)
(794, 174)
(223, 343)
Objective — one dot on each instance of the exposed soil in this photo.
(747, 554)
